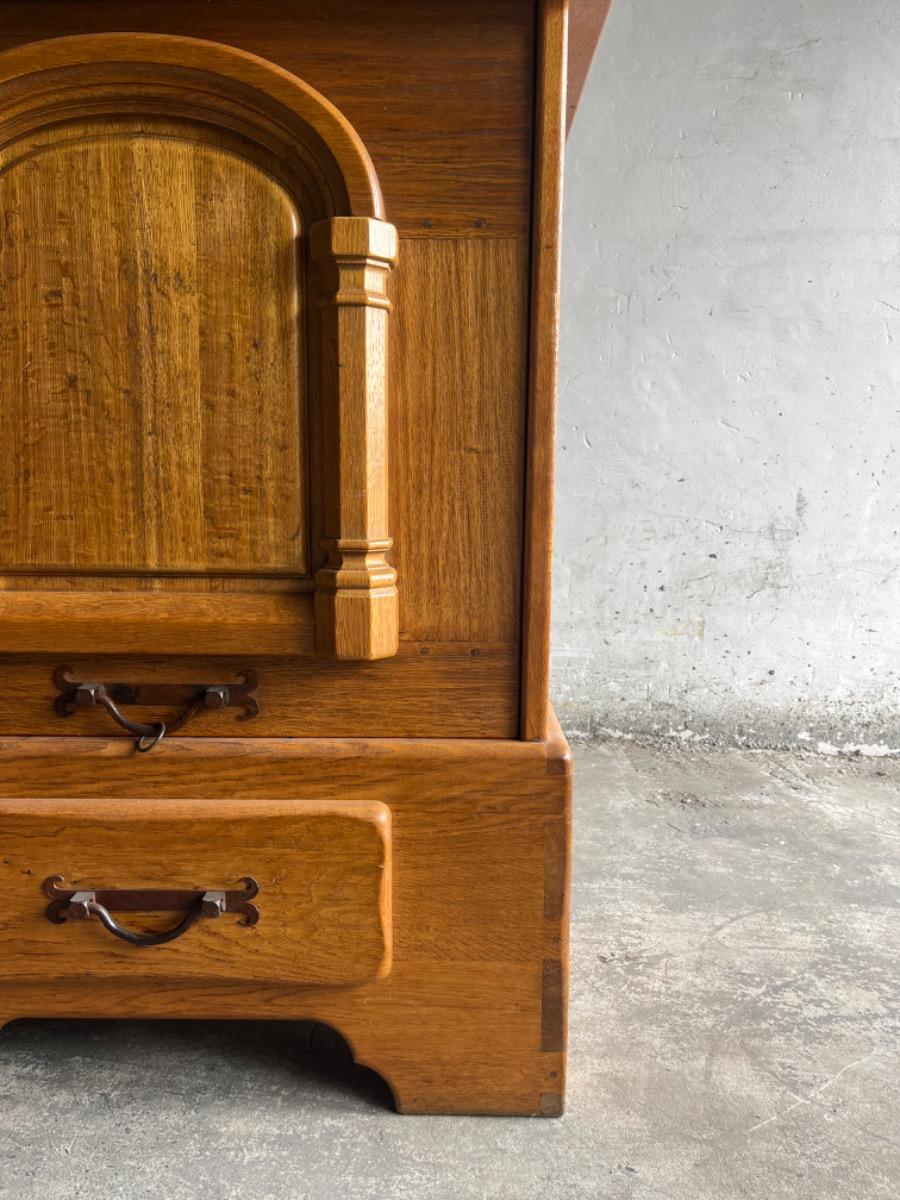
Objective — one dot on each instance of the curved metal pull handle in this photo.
(83, 905)
(149, 736)
(75, 694)
(68, 904)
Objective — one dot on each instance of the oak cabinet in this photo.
(278, 289)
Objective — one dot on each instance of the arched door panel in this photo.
(192, 278)
(153, 402)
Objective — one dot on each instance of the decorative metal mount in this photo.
(70, 904)
(74, 694)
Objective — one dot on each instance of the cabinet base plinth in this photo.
(471, 1017)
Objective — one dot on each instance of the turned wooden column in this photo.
(356, 604)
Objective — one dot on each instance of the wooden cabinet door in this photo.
(192, 358)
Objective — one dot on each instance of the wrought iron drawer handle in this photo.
(74, 694)
(68, 904)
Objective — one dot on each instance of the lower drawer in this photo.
(318, 909)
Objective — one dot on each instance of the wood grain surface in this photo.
(323, 873)
(470, 1018)
(457, 422)
(357, 611)
(433, 689)
(150, 317)
(459, 111)
(441, 97)
(543, 369)
(457, 378)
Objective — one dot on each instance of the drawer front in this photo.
(437, 690)
(321, 914)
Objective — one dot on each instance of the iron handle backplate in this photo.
(72, 904)
(75, 694)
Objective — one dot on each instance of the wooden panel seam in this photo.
(552, 1006)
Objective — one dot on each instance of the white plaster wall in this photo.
(728, 498)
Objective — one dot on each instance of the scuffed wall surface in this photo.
(728, 502)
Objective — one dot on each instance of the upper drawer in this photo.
(321, 915)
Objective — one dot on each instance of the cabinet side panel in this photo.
(548, 160)
(457, 418)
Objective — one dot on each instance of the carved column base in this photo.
(356, 605)
(359, 625)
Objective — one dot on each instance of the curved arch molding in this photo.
(229, 86)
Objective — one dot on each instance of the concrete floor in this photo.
(736, 1006)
